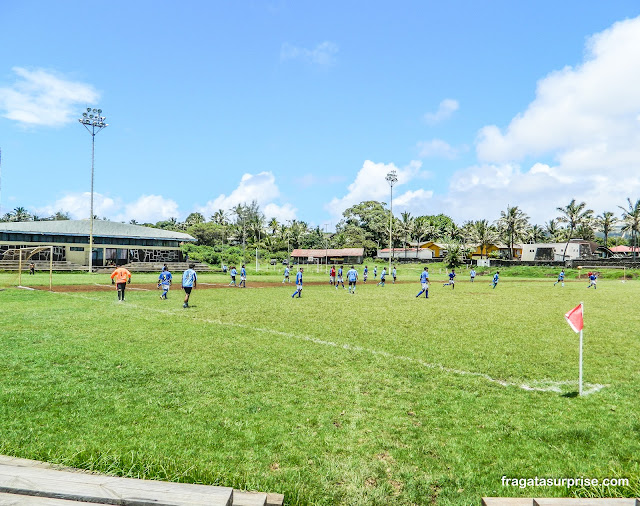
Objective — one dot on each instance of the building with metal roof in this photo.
(329, 255)
(113, 243)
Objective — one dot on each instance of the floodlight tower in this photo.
(93, 121)
(391, 178)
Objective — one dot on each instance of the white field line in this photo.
(533, 386)
(228, 285)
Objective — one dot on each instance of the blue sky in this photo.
(305, 106)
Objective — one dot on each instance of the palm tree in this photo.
(453, 232)
(551, 228)
(513, 224)
(631, 220)
(20, 214)
(483, 234)
(406, 229)
(241, 218)
(605, 221)
(574, 215)
(535, 234)
(273, 226)
(219, 217)
(297, 230)
(422, 227)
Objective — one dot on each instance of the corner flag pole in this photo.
(580, 379)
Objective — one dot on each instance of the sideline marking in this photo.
(533, 386)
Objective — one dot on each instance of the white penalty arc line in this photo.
(533, 386)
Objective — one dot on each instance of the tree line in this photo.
(234, 235)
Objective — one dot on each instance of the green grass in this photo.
(331, 398)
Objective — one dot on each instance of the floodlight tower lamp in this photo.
(391, 178)
(92, 118)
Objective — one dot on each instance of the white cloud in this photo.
(445, 110)
(437, 148)
(147, 208)
(282, 213)
(593, 106)
(259, 187)
(39, 97)
(78, 205)
(580, 138)
(417, 202)
(323, 54)
(370, 184)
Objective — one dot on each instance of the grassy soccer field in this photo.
(373, 398)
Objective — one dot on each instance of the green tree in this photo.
(552, 230)
(631, 222)
(209, 234)
(604, 222)
(484, 235)
(573, 215)
(372, 216)
(20, 214)
(273, 226)
(193, 219)
(535, 234)
(456, 254)
(513, 224)
(220, 217)
(422, 228)
(406, 229)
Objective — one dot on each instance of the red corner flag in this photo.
(574, 318)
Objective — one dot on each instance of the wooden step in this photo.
(32, 478)
(557, 501)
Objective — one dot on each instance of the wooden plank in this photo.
(583, 502)
(507, 501)
(276, 499)
(25, 500)
(243, 498)
(43, 481)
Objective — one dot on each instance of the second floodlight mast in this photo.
(93, 121)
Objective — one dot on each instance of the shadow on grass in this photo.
(570, 394)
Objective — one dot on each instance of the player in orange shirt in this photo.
(121, 277)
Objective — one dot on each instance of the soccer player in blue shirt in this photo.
(375, 271)
(243, 277)
(592, 280)
(473, 275)
(496, 278)
(233, 274)
(365, 273)
(164, 282)
(452, 276)
(393, 273)
(424, 279)
(340, 281)
(352, 277)
(298, 284)
(382, 276)
(560, 278)
(286, 275)
(189, 282)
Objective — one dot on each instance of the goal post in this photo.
(24, 254)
